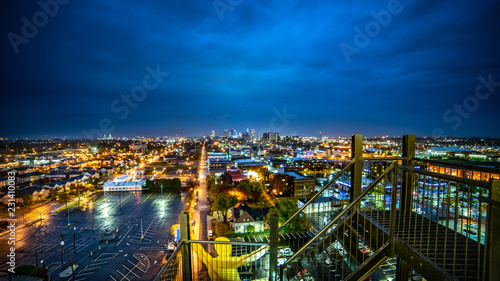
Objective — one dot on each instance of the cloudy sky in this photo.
(154, 68)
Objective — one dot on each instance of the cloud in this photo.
(264, 55)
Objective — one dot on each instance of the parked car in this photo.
(210, 233)
(287, 252)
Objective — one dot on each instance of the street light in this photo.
(62, 249)
(74, 238)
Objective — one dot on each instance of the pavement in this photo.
(125, 240)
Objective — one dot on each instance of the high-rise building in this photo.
(212, 134)
(226, 133)
(270, 137)
(252, 134)
(232, 132)
(245, 136)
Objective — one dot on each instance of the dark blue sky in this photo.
(296, 67)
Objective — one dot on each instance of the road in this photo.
(202, 210)
(199, 215)
(118, 248)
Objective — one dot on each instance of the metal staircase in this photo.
(437, 223)
(438, 219)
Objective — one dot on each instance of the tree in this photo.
(191, 183)
(224, 202)
(285, 208)
(264, 174)
(54, 193)
(28, 201)
(78, 191)
(4, 224)
(223, 229)
(64, 196)
(176, 184)
(252, 189)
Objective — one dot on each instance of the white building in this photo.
(124, 183)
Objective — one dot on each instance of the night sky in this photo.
(161, 68)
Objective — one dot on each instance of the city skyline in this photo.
(164, 69)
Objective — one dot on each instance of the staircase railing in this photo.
(352, 238)
(448, 222)
(172, 269)
(461, 170)
(326, 191)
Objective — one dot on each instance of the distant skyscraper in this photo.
(212, 134)
(232, 132)
(252, 134)
(270, 137)
(245, 136)
(226, 133)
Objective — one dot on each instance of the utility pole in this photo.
(142, 233)
(43, 264)
(71, 264)
(74, 237)
(68, 213)
(93, 212)
(62, 248)
(120, 195)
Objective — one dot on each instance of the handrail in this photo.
(461, 165)
(164, 267)
(484, 184)
(384, 158)
(309, 202)
(343, 213)
(233, 243)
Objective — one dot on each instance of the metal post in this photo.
(407, 177)
(394, 198)
(120, 195)
(142, 233)
(67, 209)
(74, 238)
(356, 181)
(406, 195)
(401, 270)
(43, 264)
(186, 249)
(93, 212)
(494, 231)
(273, 245)
(357, 168)
(71, 264)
